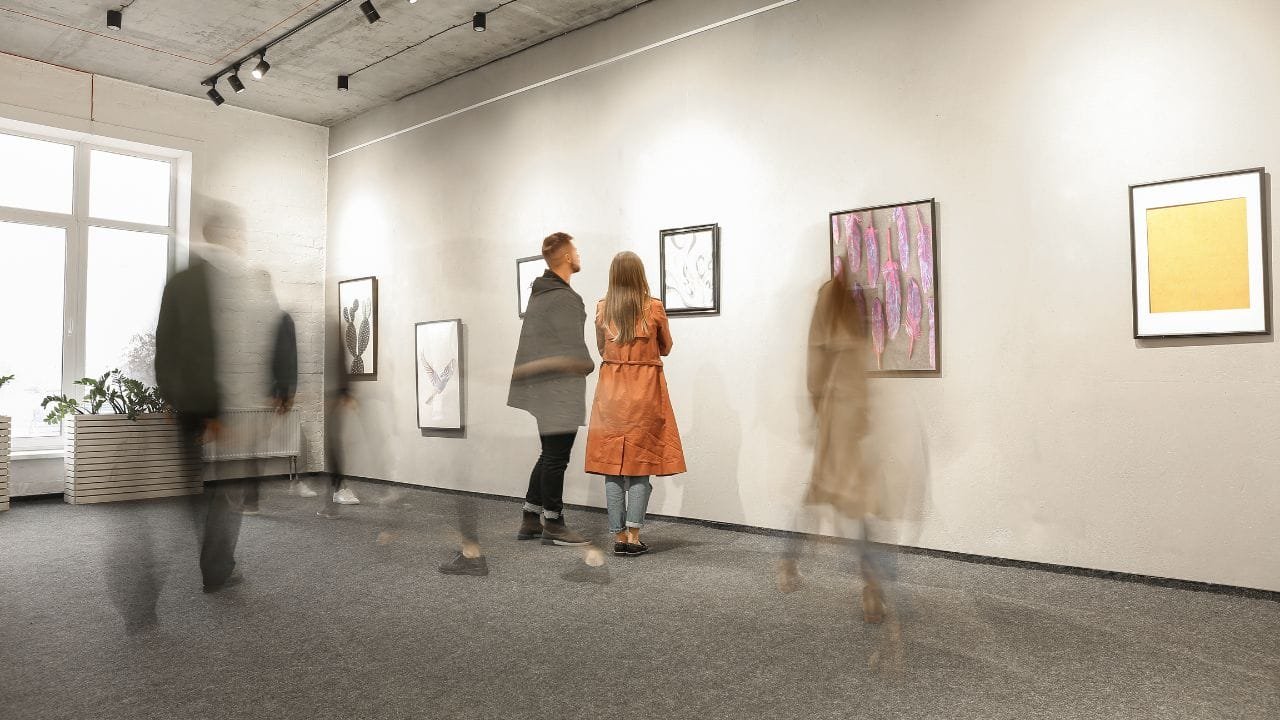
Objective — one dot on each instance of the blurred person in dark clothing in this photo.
(339, 403)
(222, 343)
(549, 381)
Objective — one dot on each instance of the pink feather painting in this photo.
(924, 254)
(871, 250)
(860, 305)
(914, 310)
(904, 251)
(888, 260)
(877, 331)
(892, 290)
(853, 249)
(933, 335)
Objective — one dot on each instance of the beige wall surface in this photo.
(274, 170)
(1051, 436)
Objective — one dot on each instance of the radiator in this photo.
(257, 434)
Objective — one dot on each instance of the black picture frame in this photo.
(372, 372)
(459, 377)
(936, 370)
(521, 308)
(683, 310)
(1265, 237)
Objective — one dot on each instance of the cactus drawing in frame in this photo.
(358, 326)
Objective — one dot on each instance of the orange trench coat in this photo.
(633, 428)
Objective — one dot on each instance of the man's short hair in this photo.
(554, 244)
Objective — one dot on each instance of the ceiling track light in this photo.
(115, 19)
(234, 81)
(262, 68)
(344, 82)
(370, 12)
(214, 95)
(478, 23)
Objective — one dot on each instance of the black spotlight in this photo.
(370, 12)
(478, 22)
(260, 70)
(234, 82)
(115, 19)
(215, 96)
(344, 82)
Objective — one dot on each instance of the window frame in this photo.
(76, 226)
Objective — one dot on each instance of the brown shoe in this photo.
(530, 527)
(554, 532)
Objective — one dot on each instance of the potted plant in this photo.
(5, 430)
(121, 443)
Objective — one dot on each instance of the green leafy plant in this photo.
(124, 395)
(4, 379)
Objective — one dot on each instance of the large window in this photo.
(87, 240)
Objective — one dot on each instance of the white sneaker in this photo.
(346, 497)
(302, 489)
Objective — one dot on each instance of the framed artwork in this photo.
(438, 353)
(1200, 256)
(528, 269)
(889, 255)
(690, 265)
(358, 326)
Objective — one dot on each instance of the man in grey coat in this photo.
(550, 382)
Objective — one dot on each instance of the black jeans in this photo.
(546, 482)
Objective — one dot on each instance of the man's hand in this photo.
(213, 430)
(283, 405)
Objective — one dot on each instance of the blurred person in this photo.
(468, 560)
(633, 433)
(549, 381)
(841, 479)
(339, 404)
(218, 339)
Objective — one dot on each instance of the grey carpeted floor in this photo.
(348, 618)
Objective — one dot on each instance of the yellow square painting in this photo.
(1198, 256)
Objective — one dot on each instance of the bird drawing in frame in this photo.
(439, 380)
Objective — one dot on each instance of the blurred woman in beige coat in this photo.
(841, 479)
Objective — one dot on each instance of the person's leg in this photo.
(333, 453)
(556, 449)
(789, 566)
(531, 512)
(637, 504)
(616, 500)
(873, 588)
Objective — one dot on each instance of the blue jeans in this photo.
(626, 503)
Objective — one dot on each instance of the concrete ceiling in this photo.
(175, 44)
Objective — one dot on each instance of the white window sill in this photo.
(20, 455)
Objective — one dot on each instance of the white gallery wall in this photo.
(272, 170)
(1052, 435)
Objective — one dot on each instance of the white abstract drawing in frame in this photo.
(690, 265)
(1200, 265)
(358, 326)
(528, 269)
(438, 358)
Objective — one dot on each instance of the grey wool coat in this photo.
(553, 331)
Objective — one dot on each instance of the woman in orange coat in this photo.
(633, 433)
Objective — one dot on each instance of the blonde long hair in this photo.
(627, 301)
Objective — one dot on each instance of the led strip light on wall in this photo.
(571, 73)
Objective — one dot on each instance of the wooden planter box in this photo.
(111, 458)
(5, 429)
